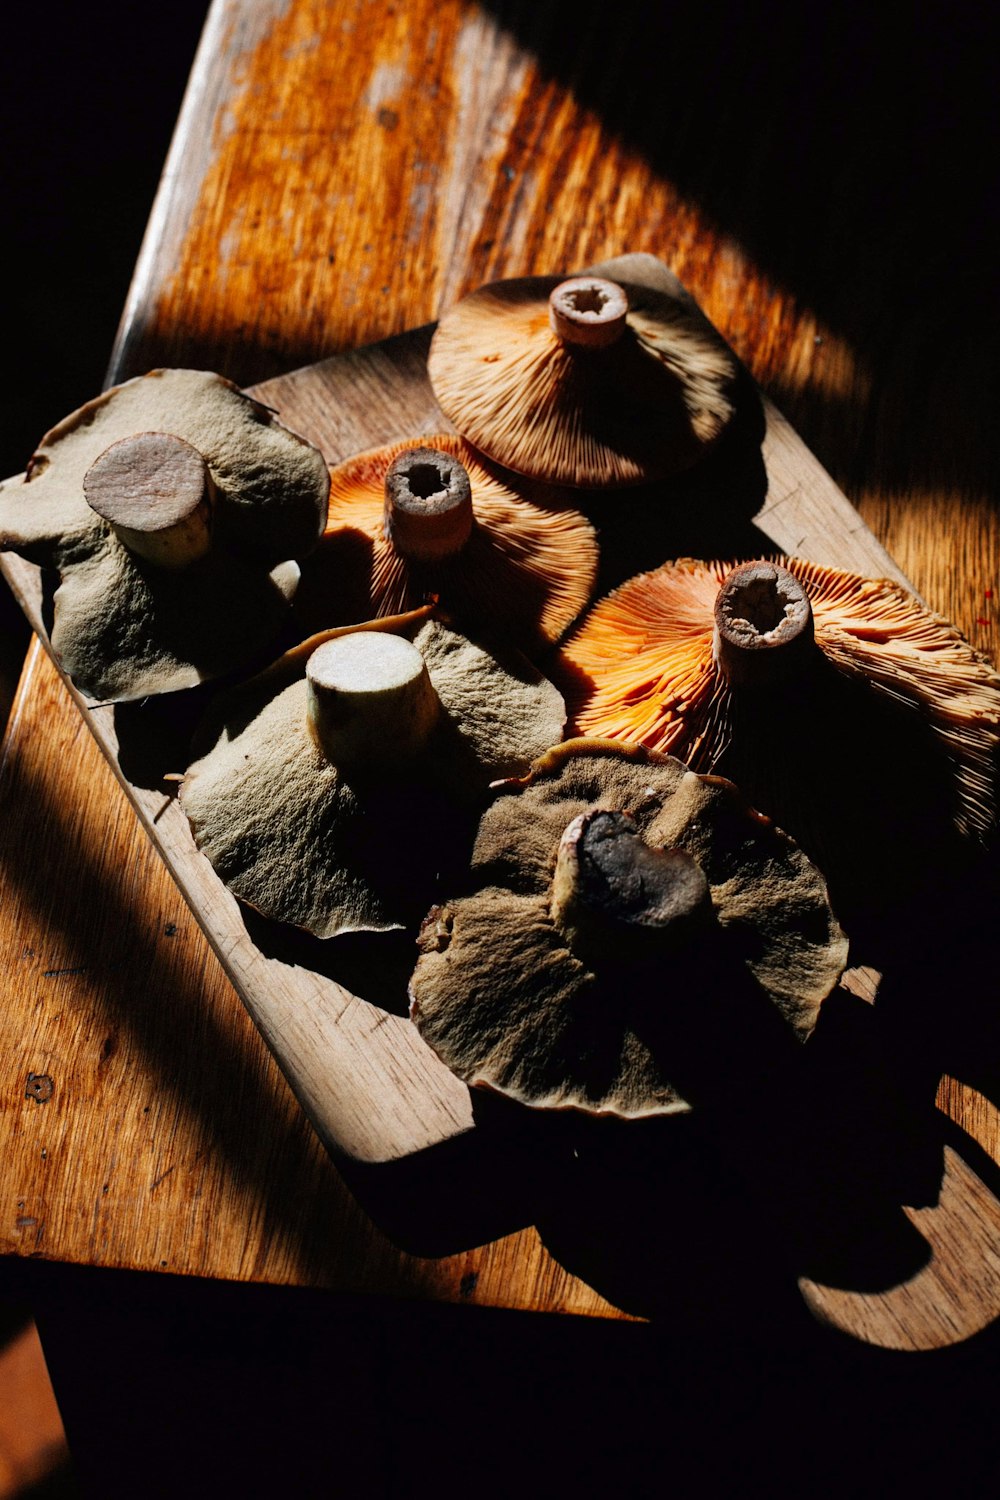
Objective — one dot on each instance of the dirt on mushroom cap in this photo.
(507, 1005)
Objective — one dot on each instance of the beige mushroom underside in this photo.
(545, 1033)
(274, 481)
(120, 634)
(123, 628)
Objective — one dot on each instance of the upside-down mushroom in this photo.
(413, 519)
(842, 706)
(628, 920)
(331, 801)
(172, 508)
(584, 382)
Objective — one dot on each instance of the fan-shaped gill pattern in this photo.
(641, 667)
(526, 571)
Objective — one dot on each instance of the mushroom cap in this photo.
(508, 1005)
(878, 755)
(295, 838)
(525, 572)
(643, 408)
(124, 628)
(642, 667)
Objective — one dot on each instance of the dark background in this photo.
(87, 110)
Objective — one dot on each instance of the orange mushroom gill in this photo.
(520, 569)
(645, 665)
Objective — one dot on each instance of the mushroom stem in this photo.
(615, 896)
(156, 493)
(588, 312)
(763, 625)
(371, 703)
(428, 505)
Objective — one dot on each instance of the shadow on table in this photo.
(800, 1171)
(669, 1219)
(710, 1215)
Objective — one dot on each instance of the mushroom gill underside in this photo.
(411, 520)
(527, 385)
(862, 722)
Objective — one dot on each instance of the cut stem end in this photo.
(156, 493)
(371, 703)
(763, 625)
(588, 312)
(428, 505)
(614, 895)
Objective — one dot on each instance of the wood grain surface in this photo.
(339, 174)
(371, 1087)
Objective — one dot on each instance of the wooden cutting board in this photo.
(374, 1092)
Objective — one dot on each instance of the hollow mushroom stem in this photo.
(615, 896)
(588, 312)
(371, 703)
(156, 493)
(763, 625)
(428, 505)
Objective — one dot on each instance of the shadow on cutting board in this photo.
(709, 1215)
(713, 1218)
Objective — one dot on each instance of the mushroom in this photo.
(172, 507)
(586, 382)
(629, 920)
(412, 519)
(342, 776)
(841, 705)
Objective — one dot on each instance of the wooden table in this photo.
(344, 172)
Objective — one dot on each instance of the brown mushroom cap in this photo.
(124, 625)
(511, 1003)
(521, 570)
(305, 842)
(645, 406)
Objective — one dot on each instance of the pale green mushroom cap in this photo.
(511, 1004)
(303, 842)
(122, 627)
